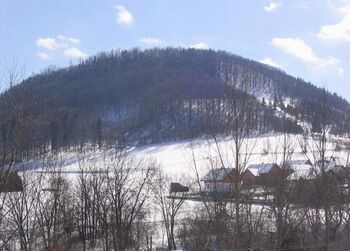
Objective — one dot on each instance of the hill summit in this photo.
(146, 96)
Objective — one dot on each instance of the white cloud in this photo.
(75, 53)
(124, 16)
(339, 6)
(151, 41)
(62, 41)
(339, 31)
(340, 72)
(336, 32)
(299, 49)
(345, 10)
(47, 43)
(43, 55)
(199, 45)
(272, 6)
(60, 45)
(270, 62)
(71, 40)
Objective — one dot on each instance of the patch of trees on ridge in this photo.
(154, 95)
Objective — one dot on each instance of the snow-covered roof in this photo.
(217, 174)
(254, 171)
(301, 174)
(262, 168)
(305, 172)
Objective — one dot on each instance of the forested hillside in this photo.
(146, 96)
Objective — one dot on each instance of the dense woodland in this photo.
(147, 96)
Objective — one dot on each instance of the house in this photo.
(301, 170)
(301, 183)
(224, 179)
(334, 168)
(268, 173)
(220, 180)
(249, 178)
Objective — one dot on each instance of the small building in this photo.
(220, 180)
(176, 187)
(266, 174)
(249, 178)
(224, 179)
(302, 183)
(335, 168)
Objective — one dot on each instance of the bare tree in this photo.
(168, 203)
(24, 206)
(240, 107)
(11, 123)
(112, 197)
(286, 217)
(327, 199)
(239, 88)
(128, 189)
(54, 207)
(92, 206)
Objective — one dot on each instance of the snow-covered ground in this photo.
(180, 158)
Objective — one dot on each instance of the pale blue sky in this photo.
(306, 38)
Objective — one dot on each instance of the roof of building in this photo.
(262, 168)
(217, 174)
(305, 172)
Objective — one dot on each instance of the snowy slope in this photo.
(179, 159)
